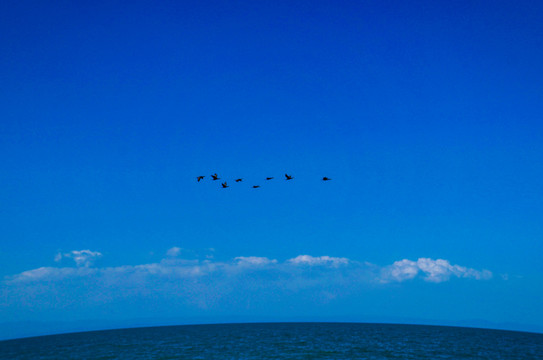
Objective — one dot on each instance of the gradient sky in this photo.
(427, 115)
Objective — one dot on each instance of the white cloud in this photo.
(434, 271)
(174, 251)
(81, 257)
(254, 261)
(52, 274)
(400, 271)
(318, 260)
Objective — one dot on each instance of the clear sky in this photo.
(427, 115)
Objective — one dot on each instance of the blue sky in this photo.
(426, 115)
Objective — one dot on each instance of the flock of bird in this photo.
(225, 185)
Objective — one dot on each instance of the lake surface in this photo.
(281, 341)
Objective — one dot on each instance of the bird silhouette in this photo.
(269, 178)
(215, 176)
(288, 177)
(326, 178)
(256, 186)
(224, 186)
(238, 180)
(199, 178)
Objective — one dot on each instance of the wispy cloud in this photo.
(318, 260)
(81, 257)
(174, 251)
(254, 261)
(46, 274)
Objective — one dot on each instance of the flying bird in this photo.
(215, 176)
(326, 178)
(288, 177)
(199, 178)
(256, 186)
(238, 180)
(224, 186)
(269, 178)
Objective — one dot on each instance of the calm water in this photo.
(282, 341)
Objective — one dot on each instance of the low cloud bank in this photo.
(301, 266)
(238, 284)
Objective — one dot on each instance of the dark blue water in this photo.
(282, 341)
